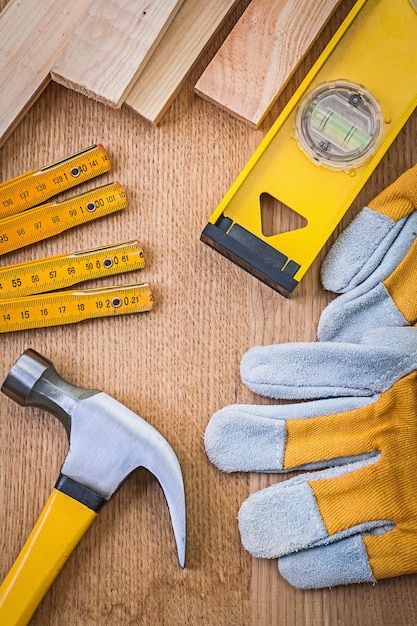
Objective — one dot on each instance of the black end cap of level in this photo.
(252, 254)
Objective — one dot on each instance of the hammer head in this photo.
(107, 441)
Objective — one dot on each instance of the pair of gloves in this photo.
(351, 516)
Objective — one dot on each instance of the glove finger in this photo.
(286, 518)
(354, 313)
(387, 298)
(314, 434)
(369, 554)
(246, 438)
(361, 247)
(340, 563)
(359, 250)
(320, 370)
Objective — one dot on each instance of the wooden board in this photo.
(260, 55)
(31, 41)
(112, 45)
(190, 32)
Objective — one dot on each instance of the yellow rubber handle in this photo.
(59, 528)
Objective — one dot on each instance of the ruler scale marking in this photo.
(54, 218)
(72, 306)
(32, 188)
(64, 270)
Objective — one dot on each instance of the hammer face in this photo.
(24, 375)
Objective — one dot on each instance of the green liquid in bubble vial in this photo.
(338, 130)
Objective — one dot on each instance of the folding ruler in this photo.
(26, 300)
(29, 296)
(52, 218)
(324, 145)
(34, 187)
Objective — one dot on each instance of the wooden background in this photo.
(174, 366)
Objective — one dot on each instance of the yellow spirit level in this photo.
(324, 145)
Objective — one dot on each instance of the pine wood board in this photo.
(112, 45)
(31, 41)
(190, 32)
(261, 54)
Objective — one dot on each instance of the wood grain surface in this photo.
(260, 55)
(31, 42)
(175, 366)
(112, 45)
(190, 32)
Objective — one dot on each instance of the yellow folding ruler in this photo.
(324, 145)
(29, 292)
(24, 305)
(68, 307)
(32, 188)
(64, 270)
(52, 218)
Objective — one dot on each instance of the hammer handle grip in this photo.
(59, 528)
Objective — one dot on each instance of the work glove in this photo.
(353, 516)
(374, 265)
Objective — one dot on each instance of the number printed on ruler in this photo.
(64, 270)
(68, 307)
(53, 218)
(32, 188)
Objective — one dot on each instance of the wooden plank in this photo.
(261, 54)
(194, 26)
(112, 45)
(31, 41)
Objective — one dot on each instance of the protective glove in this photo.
(374, 265)
(354, 520)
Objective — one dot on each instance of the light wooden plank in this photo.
(190, 32)
(261, 54)
(31, 41)
(112, 45)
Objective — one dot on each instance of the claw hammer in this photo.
(107, 442)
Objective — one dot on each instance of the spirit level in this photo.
(324, 145)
